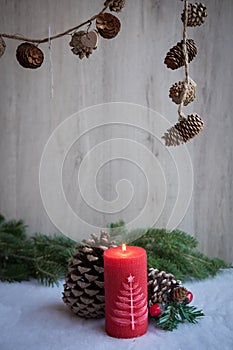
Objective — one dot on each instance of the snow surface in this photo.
(34, 317)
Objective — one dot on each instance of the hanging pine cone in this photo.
(116, 5)
(175, 57)
(160, 286)
(2, 46)
(84, 43)
(196, 14)
(29, 56)
(177, 89)
(184, 130)
(179, 294)
(108, 25)
(84, 282)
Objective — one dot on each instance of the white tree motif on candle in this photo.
(131, 305)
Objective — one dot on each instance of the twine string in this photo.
(51, 62)
(186, 63)
(59, 35)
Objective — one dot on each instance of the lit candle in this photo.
(125, 283)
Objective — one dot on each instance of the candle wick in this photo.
(123, 247)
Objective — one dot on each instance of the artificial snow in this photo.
(34, 317)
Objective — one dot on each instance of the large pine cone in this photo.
(116, 5)
(108, 25)
(160, 286)
(177, 89)
(184, 130)
(84, 282)
(175, 57)
(78, 48)
(196, 14)
(2, 46)
(29, 56)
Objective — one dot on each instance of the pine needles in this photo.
(172, 251)
(175, 313)
(42, 257)
(45, 258)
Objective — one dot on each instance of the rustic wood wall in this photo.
(127, 69)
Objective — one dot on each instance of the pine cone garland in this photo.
(116, 5)
(84, 282)
(108, 25)
(196, 14)
(175, 57)
(160, 286)
(79, 47)
(177, 89)
(29, 55)
(179, 294)
(184, 130)
(2, 46)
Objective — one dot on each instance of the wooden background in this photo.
(128, 69)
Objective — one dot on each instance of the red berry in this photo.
(155, 310)
(189, 297)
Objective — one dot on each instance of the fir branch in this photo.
(175, 313)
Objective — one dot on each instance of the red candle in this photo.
(125, 283)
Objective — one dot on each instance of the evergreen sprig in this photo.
(176, 313)
(42, 257)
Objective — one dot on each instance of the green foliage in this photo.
(45, 257)
(42, 257)
(175, 313)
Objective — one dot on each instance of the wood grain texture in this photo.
(128, 68)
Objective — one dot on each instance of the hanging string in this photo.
(50, 62)
(59, 35)
(186, 61)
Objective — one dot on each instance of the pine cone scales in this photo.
(84, 282)
(196, 14)
(179, 294)
(184, 130)
(108, 25)
(77, 46)
(116, 5)
(29, 56)
(175, 57)
(176, 91)
(160, 286)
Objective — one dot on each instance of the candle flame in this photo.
(123, 247)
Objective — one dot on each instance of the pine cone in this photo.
(196, 14)
(108, 25)
(177, 89)
(175, 57)
(84, 282)
(160, 286)
(179, 294)
(29, 56)
(78, 46)
(184, 130)
(2, 46)
(116, 5)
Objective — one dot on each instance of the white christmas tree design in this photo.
(131, 305)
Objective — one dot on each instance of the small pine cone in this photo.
(108, 25)
(177, 89)
(160, 286)
(78, 48)
(29, 56)
(184, 130)
(116, 5)
(2, 46)
(196, 14)
(84, 281)
(175, 57)
(179, 294)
